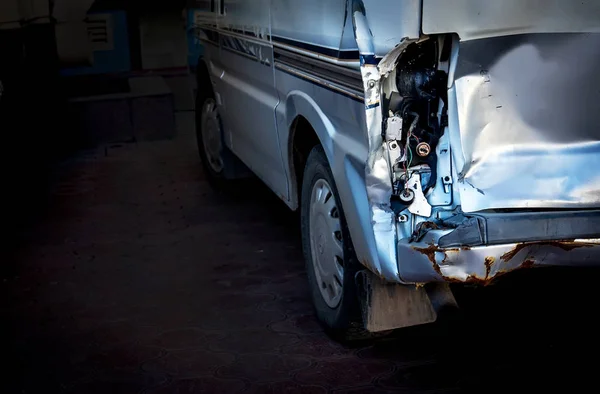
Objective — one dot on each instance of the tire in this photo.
(337, 309)
(209, 137)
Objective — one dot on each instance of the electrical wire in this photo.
(406, 167)
(412, 128)
(414, 123)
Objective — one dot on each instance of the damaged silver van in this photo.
(423, 141)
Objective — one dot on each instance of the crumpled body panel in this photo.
(475, 19)
(517, 134)
(527, 109)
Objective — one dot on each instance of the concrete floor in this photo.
(139, 278)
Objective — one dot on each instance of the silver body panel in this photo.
(526, 108)
(474, 19)
(520, 132)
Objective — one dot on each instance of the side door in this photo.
(247, 90)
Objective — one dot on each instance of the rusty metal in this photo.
(430, 253)
(423, 149)
(489, 261)
(528, 263)
(566, 245)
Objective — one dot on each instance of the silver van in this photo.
(424, 142)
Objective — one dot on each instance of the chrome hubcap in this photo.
(326, 243)
(211, 135)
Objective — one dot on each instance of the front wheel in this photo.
(331, 263)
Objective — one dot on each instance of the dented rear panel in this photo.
(524, 101)
(484, 147)
(527, 114)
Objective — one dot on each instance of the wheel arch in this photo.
(346, 153)
(203, 80)
(308, 126)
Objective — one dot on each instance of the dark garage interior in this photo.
(123, 271)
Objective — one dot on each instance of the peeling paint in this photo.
(489, 261)
(448, 264)
(430, 253)
(566, 245)
(528, 263)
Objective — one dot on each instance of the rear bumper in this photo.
(483, 264)
(483, 247)
(517, 227)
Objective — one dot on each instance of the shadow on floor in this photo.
(140, 278)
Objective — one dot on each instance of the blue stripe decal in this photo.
(244, 47)
(340, 54)
(335, 53)
(372, 106)
(247, 33)
(322, 86)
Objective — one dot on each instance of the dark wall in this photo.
(34, 129)
(140, 5)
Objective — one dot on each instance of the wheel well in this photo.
(203, 83)
(303, 139)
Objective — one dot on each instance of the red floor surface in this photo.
(140, 278)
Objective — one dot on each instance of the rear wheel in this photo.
(209, 137)
(331, 264)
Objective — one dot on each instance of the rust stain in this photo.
(489, 261)
(570, 245)
(474, 280)
(471, 280)
(488, 280)
(430, 253)
(437, 269)
(566, 245)
(527, 263)
(445, 258)
(429, 225)
(512, 253)
(430, 250)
